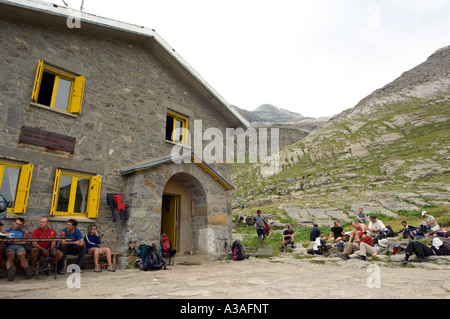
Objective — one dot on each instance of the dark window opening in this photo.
(169, 127)
(46, 89)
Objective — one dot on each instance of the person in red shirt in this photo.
(351, 248)
(44, 248)
(366, 248)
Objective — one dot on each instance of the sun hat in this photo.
(384, 242)
(437, 242)
(424, 212)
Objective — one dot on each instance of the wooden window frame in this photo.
(93, 196)
(184, 121)
(75, 98)
(23, 186)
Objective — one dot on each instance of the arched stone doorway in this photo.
(183, 212)
(200, 194)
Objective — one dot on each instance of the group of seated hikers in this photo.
(72, 242)
(367, 239)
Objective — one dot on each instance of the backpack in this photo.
(390, 231)
(152, 259)
(238, 251)
(319, 247)
(166, 246)
(266, 224)
(141, 251)
(423, 228)
(442, 233)
(3, 206)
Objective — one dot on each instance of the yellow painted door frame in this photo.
(169, 218)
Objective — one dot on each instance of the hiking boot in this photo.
(345, 257)
(28, 272)
(11, 273)
(97, 268)
(421, 260)
(282, 249)
(363, 258)
(111, 268)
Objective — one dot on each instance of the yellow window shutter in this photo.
(23, 189)
(94, 197)
(55, 193)
(37, 81)
(77, 95)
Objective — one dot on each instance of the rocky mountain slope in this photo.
(389, 153)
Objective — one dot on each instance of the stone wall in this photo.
(127, 94)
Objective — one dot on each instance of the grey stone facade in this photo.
(132, 80)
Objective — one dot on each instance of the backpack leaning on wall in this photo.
(151, 260)
(166, 246)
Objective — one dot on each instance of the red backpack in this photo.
(165, 243)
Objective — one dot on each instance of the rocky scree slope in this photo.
(389, 153)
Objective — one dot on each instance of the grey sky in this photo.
(316, 58)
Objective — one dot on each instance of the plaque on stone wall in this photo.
(54, 141)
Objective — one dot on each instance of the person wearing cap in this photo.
(366, 248)
(351, 248)
(431, 222)
(358, 227)
(421, 250)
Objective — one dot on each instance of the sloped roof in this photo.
(132, 31)
(194, 159)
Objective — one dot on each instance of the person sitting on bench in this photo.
(75, 246)
(92, 241)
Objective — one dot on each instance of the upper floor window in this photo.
(75, 195)
(58, 89)
(15, 182)
(176, 128)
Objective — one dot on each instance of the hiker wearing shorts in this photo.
(260, 227)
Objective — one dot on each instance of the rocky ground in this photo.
(285, 276)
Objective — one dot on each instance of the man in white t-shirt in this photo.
(431, 222)
(375, 226)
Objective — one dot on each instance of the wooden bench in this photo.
(88, 257)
